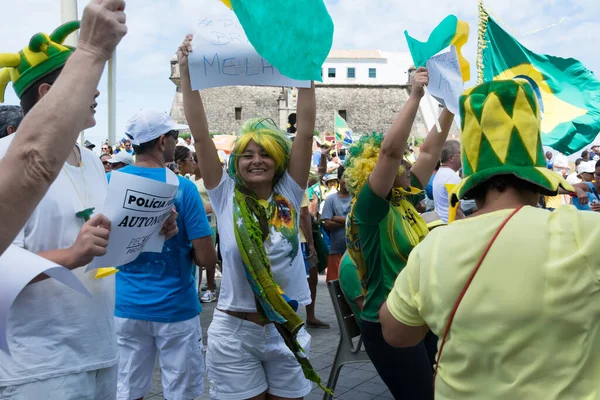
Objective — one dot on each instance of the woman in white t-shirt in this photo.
(257, 203)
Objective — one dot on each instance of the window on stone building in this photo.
(238, 113)
(342, 113)
(331, 73)
(372, 72)
(351, 73)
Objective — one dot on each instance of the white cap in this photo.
(586, 166)
(147, 125)
(121, 157)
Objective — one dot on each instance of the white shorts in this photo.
(100, 384)
(245, 359)
(180, 353)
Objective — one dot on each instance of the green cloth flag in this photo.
(450, 32)
(293, 36)
(569, 94)
(343, 134)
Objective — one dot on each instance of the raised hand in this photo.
(102, 27)
(420, 80)
(183, 52)
(91, 241)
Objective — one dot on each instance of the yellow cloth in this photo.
(555, 201)
(305, 203)
(529, 325)
(104, 272)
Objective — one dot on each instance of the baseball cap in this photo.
(87, 144)
(587, 166)
(121, 157)
(147, 125)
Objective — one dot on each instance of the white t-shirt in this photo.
(440, 194)
(282, 245)
(53, 330)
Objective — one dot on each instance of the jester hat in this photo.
(44, 54)
(501, 136)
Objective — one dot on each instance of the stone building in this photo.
(368, 103)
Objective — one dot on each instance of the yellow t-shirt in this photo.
(528, 327)
(305, 203)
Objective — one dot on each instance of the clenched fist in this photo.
(91, 241)
(102, 27)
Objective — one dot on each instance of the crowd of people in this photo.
(466, 280)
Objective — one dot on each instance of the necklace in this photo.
(86, 212)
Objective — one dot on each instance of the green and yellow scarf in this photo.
(251, 227)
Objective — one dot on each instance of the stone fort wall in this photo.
(367, 108)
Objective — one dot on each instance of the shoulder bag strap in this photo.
(464, 290)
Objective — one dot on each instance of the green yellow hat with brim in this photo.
(501, 136)
(44, 54)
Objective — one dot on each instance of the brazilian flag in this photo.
(569, 94)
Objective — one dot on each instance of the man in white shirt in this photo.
(46, 135)
(447, 174)
(63, 344)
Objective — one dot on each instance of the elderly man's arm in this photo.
(47, 134)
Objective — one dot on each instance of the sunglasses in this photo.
(173, 134)
(105, 163)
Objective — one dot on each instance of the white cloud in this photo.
(156, 27)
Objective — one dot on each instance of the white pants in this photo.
(180, 353)
(100, 384)
(245, 359)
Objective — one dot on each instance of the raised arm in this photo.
(46, 136)
(384, 174)
(206, 151)
(432, 148)
(301, 156)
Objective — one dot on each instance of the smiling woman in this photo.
(257, 207)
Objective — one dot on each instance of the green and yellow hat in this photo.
(501, 136)
(44, 54)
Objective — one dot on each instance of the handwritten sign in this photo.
(18, 267)
(137, 208)
(445, 79)
(223, 56)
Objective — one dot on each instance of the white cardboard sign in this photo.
(223, 56)
(445, 79)
(137, 208)
(18, 267)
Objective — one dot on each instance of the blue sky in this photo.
(156, 27)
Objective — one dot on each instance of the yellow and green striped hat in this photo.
(501, 136)
(44, 54)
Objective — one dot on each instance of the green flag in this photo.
(294, 36)
(569, 93)
(450, 32)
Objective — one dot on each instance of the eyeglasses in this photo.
(105, 163)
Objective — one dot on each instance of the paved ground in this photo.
(356, 381)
